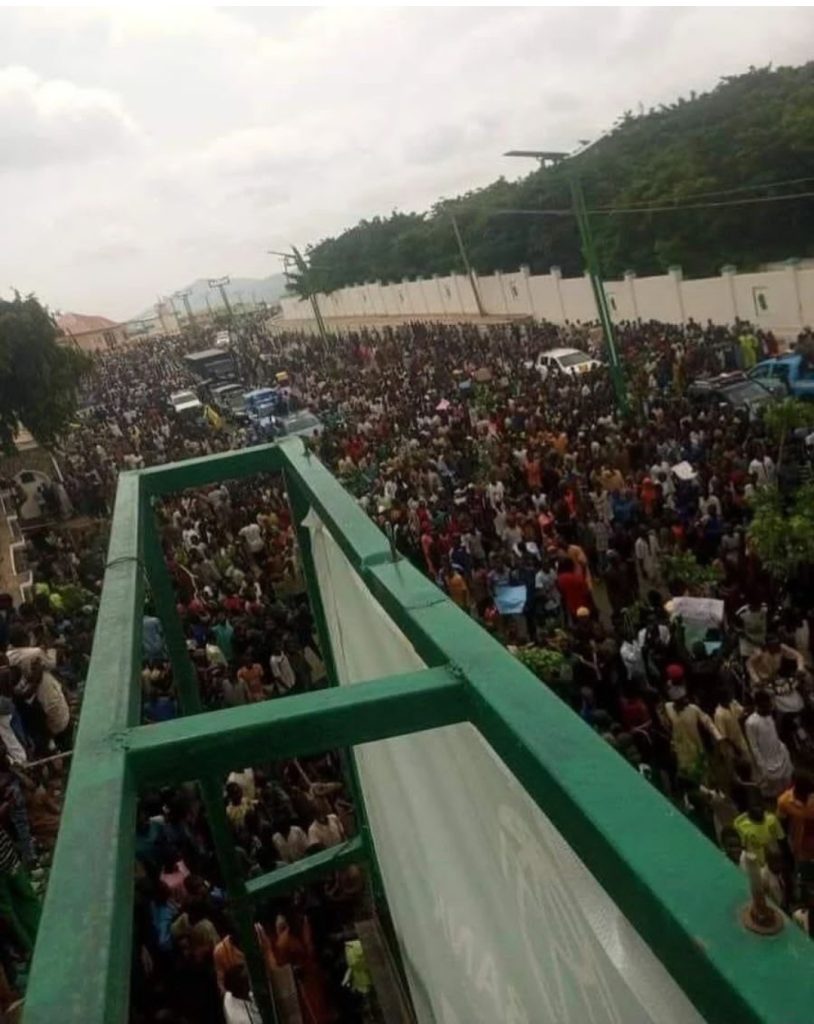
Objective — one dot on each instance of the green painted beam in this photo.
(81, 969)
(678, 891)
(302, 872)
(209, 469)
(210, 786)
(218, 741)
(163, 594)
(299, 500)
(354, 532)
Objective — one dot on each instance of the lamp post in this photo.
(580, 212)
(220, 283)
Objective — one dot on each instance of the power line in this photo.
(729, 191)
(661, 209)
(703, 206)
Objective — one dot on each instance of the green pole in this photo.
(211, 789)
(300, 506)
(592, 266)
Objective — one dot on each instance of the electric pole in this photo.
(309, 290)
(184, 296)
(220, 283)
(473, 280)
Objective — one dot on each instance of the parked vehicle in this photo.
(790, 374)
(215, 363)
(571, 361)
(185, 403)
(229, 400)
(265, 402)
(734, 389)
(303, 423)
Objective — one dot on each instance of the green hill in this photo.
(752, 129)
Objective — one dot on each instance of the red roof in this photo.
(79, 323)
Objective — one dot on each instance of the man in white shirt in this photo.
(763, 468)
(326, 829)
(239, 1006)
(252, 538)
(282, 673)
(770, 753)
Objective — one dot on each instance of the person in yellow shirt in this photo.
(759, 830)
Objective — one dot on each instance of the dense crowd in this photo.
(581, 538)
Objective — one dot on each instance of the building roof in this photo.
(79, 323)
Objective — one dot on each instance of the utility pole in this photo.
(473, 280)
(184, 296)
(589, 255)
(304, 271)
(220, 283)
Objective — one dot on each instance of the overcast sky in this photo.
(141, 150)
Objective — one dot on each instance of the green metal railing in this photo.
(680, 893)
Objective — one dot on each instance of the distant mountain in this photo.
(245, 291)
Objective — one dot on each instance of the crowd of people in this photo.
(580, 537)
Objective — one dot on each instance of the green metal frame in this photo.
(681, 895)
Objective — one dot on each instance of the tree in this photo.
(38, 377)
(781, 418)
(750, 131)
(783, 538)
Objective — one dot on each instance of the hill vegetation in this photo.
(752, 130)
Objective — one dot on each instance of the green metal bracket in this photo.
(283, 880)
(310, 723)
(680, 894)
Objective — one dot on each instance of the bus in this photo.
(212, 364)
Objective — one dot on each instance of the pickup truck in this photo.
(786, 375)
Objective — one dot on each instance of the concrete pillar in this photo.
(502, 288)
(440, 290)
(406, 302)
(728, 273)
(792, 266)
(630, 281)
(677, 274)
(526, 272)
(556, 275)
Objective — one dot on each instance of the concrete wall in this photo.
(780, 299)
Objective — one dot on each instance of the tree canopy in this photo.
(729, 144)
(38, 377)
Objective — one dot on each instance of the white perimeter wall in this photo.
(781, 300)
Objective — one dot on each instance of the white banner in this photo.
(499, 921)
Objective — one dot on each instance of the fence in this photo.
(532, 875)
(780, 299)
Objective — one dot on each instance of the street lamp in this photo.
(552, 158)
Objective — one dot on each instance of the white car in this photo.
(565, 360)
(185, 402)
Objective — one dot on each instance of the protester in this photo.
(545, 514)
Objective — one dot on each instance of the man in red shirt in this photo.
(573, 587)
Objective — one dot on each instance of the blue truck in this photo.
(791, 374)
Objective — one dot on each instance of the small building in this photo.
(91, 333)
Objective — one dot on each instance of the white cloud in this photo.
(45, 121)
(260, 127)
